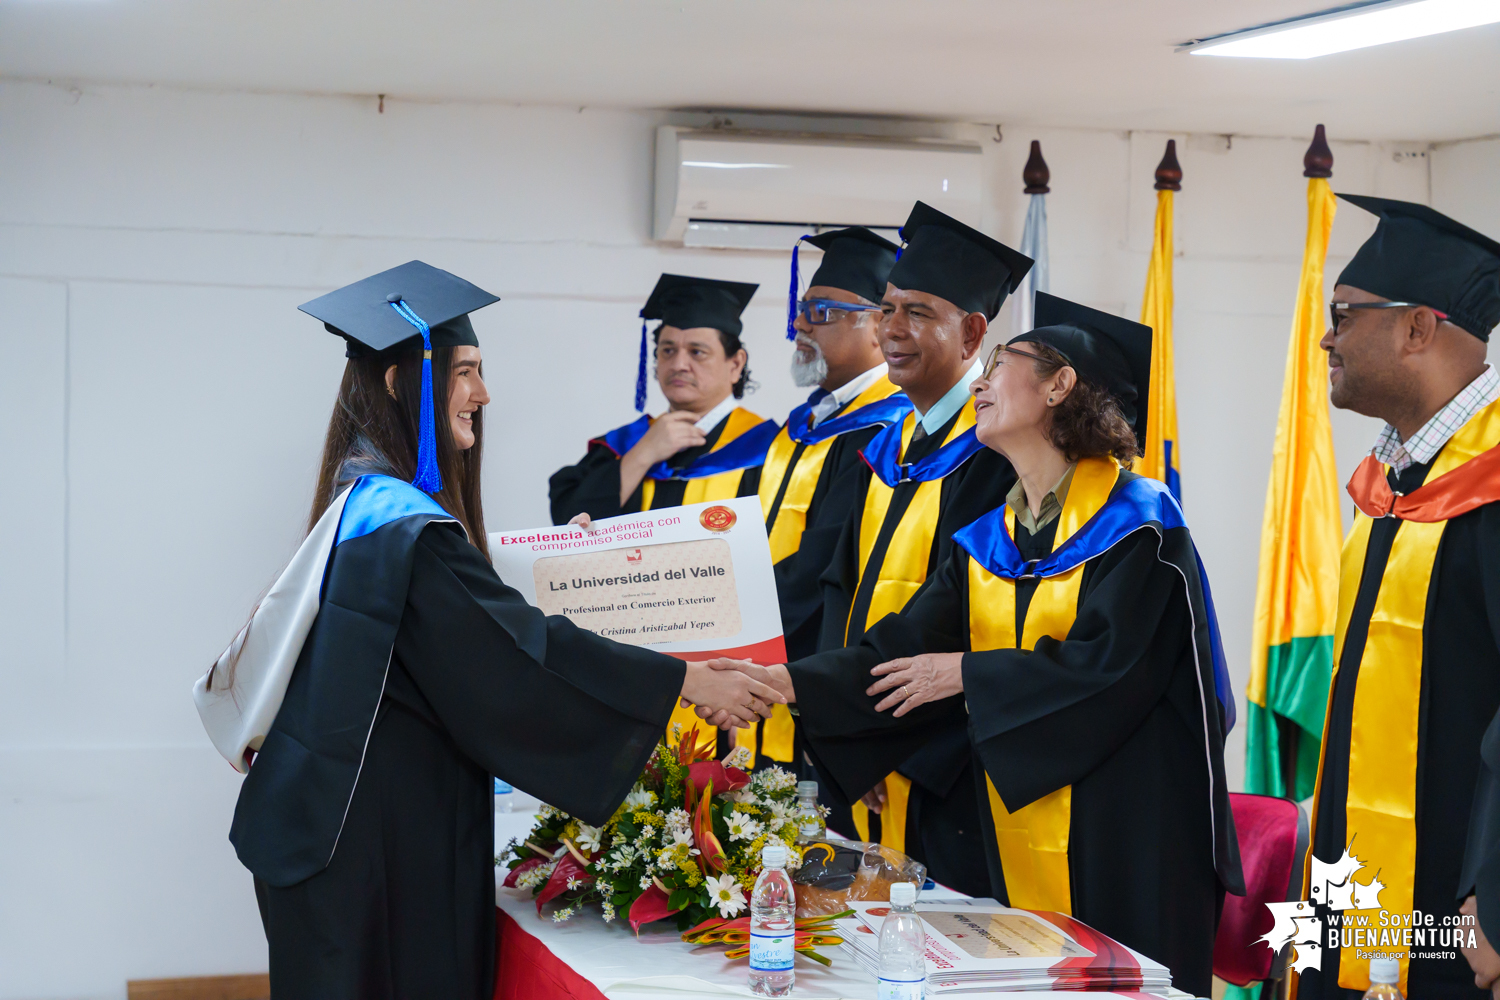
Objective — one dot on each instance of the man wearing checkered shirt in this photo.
(1411, 746)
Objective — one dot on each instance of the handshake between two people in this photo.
(905, 683)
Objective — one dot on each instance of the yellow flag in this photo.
(1161, 460)
(1296, 599)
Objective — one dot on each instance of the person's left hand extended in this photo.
(916, 680)
(1482, 958)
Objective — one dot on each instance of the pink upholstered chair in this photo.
(1273, 842)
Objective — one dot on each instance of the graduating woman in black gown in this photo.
(389, 673)
(1075, 626)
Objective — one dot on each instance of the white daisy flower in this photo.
(645, 881)
(533, 877)
(680, 837)
(679, 818)
(742, 827)
(739, 757)
(725, 893)
(640, 798)
(609, 910)
(559, 916)
(589, 837)
(646, 832)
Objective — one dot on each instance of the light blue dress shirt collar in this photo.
(953, 400)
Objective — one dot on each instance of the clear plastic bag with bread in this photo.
(835, 872)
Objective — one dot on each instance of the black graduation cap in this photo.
(946, 258)
(1422, 256)
(364, 313)
(1105, 349)
(687, 302)
(412, 306)
(855, 260)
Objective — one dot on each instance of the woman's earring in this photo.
(1049, 400)
(391, 391)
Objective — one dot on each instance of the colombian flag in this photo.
(1296, 599)
(1160, 459)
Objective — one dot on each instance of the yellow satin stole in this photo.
(900, 575)
(1033, 840)
(1381, 808)
(723, 485)
(777, 736)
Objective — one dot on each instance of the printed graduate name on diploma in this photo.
(667, 592)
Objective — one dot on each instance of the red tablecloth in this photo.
(526, 970)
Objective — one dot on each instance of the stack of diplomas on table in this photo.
(978, 946)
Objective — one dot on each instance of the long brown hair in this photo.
(370, 431)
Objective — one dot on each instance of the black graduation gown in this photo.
(943, 814)
(405, 909)
(1459, 700)
(592, 486)
(1114, 711)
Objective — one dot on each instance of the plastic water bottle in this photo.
(505, 795)
(809, 820)
(1385, 979)
(903, 943)
(773, 926)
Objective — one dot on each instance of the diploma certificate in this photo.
(695, 581)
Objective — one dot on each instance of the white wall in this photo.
(162, 405)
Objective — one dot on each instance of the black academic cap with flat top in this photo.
(855, 260)
(946, 258)
(1107, 350)
(686, 302)
(1422, 256)
(365, 313)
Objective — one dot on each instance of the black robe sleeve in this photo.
(854, 745)
(1045, 718)
(1480, 876)
(575, 730)
(591, 487)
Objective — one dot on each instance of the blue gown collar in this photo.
(883, 455)
(890, 410)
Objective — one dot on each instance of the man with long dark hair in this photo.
(706, 446)
(389, 673)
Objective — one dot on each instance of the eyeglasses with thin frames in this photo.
(993, 361)
(1339, 311)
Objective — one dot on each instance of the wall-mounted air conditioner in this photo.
(718, 189)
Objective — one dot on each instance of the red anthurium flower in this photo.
(567, 867)
(725, 779)
(522, 868)
(648, 906)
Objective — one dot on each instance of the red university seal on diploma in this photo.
(717, 519)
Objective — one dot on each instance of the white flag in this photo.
(1033, 245)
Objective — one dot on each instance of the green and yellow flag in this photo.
(1296, 599)
(1160, 460)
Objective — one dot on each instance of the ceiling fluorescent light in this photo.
(1353, 26)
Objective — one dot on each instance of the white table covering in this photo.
(659, 966)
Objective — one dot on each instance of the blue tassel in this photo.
(899, 250)
(428, 478)
(791, 296)
(640, 372)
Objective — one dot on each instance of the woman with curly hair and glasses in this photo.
(1076, 625)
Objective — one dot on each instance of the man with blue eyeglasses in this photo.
(805, 488)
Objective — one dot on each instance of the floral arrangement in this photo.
(686, 842)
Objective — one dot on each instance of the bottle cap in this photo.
(773, 855)
(903, 893)
(1385, 970)
(805, 788)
